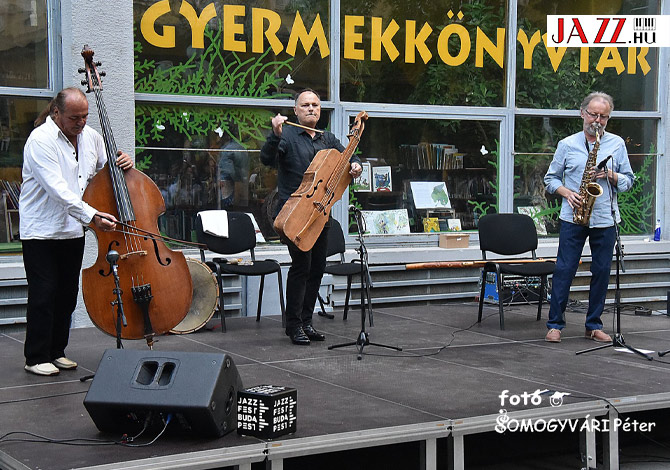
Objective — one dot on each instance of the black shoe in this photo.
(330, 316)
(298, 336)
(313, 334)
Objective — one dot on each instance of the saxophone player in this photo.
(574, 164)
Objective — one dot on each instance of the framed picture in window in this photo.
(381, 178)
(364, 182)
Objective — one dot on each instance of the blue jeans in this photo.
(570, 245)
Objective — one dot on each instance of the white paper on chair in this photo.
(215, 223)
(259, 235)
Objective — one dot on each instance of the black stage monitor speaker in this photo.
(134, 388)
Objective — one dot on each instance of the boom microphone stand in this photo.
(366, 282)
(617, 339)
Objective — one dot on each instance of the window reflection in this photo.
(243, 64)
(541, 84)
(535, 150)
(208, 157)
(434, 69)
(23, 44)
(16, 124)
(403, 154)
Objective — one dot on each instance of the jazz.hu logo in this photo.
(608, 31)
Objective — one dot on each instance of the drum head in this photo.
(205, 297)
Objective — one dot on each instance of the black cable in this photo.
(19, 400)
(80, 441)
(147, 421)
(166, 422)
(440, 348)
(48, 440)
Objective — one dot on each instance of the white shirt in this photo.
(50, 204)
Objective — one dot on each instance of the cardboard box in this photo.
(454, 240)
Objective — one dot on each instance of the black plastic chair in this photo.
(336, 246)
(241, 238)
(511, 234)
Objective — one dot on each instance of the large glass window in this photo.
(558, 78)
(24, 58)
(207, 157)
(253, 49)
(427, 172)
(538, 136)
(425, 52)
(392, 55)
(16, 123)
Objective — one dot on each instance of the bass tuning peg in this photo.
(84, 82)
(82, 70)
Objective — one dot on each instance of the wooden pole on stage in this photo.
(471, 264)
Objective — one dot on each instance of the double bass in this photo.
(156, 277)
(303, 216)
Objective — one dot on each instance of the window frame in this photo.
(54, 55)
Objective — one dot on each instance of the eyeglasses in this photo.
(594, 116)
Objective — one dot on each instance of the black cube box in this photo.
(267, 411)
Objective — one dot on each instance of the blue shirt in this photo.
(567, 168)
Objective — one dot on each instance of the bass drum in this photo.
(205, 297)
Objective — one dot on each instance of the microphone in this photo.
(112, 257)
(603, 164)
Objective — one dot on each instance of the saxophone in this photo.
(589, 190)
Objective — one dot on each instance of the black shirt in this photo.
(292, 153)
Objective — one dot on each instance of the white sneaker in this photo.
(65, 363)
(46, 368)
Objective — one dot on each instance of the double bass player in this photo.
(59, 159)
(291, 149)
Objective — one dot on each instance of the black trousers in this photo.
(52, 269)
(303, 281)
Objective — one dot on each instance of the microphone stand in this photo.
(112, 259)
(618, 340)
(366, 282)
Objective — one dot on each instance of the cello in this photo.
(303, 216)
(157, 277)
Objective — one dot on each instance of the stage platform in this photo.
(427, 407)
